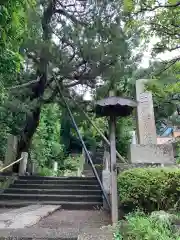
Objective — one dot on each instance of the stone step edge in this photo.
(58, 185)
(45, 195)
(10, 202)
(56, 189)
(56, 178)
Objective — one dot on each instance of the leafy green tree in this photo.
(13, 27)
(46, 146)
(123, 135)
(160, 19)
(164, 84)
(76, 46)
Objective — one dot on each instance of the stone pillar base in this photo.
(105, 205)
(106, 180)
(152, 154)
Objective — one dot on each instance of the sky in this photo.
(163, 56)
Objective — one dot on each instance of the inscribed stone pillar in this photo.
(146, 127)
(34, 170)
(11, 151)
(133, 140)
(23, 163)
(147, 151)
(55, 166)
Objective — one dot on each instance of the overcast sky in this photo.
(163, 56)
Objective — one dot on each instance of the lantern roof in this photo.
(117, 106)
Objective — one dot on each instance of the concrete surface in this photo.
(5, 210)
(25, 217)
(61, 225)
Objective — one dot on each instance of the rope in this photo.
(1, 170)
(84, 146)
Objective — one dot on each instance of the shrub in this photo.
(138, 226)
(69, 167)
(44, 171)
(149, 189)
(178, 152)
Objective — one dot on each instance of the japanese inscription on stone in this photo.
(146, 123)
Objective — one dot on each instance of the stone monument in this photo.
(134, 138)
(146, 127)
(11, 151)
(147, 151)
(23, 164)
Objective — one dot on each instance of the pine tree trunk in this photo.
(38, 90)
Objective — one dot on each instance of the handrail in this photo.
(84, 146)
(1, 170)
(100, 132)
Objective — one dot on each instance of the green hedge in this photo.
(149, 189)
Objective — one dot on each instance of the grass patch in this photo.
(139, 226)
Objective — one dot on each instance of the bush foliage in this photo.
(149, 189)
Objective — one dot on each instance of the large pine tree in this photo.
(76, 43)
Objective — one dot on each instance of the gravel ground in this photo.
(75, 219)
(39, 233)
(64, 224)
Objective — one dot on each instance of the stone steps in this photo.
(56, 186)
(53, 191)
(51, 197)
(69, 192)
(35, 177)
(65, 204)
(59, 181)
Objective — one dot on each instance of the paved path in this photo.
(4, 210)
(75, 219)
(39, 233)
(26, 216)
(61, 224)
(84, 224)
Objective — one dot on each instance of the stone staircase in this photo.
(81, 193)
(97, 158)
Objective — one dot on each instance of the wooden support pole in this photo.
(114, 197)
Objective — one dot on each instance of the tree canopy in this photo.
(159, 19)
(94, 45)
